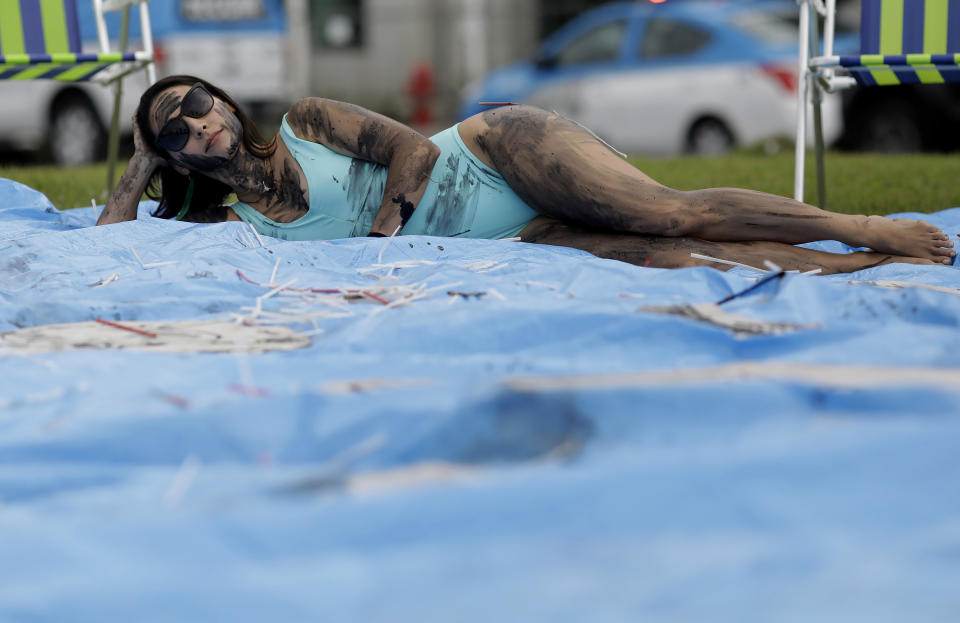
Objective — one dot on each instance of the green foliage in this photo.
(856, 183)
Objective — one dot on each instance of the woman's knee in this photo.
(691, 212)
(661, 211)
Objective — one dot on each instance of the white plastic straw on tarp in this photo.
(896, 285)
(387, 244)
(279, 288)
(104, 282)
(495, 293)
(485, 266)
(152, 264)
(257, 234)
(718, 260)
(47, 395)
(244, 369)
(445, 286)
(273, 275)
(181, 482)
(540, 284)
(339, 462)
(402, 264)
(306, 305)
(409, 296)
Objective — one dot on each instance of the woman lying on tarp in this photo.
(336, 170)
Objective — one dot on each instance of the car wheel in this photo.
(709, 137)
(76, 134)
(890, 128)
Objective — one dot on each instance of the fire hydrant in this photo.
(421, 89)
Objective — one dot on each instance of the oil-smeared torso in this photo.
(344, 194)
(463, 198)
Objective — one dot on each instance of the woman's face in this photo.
(199, 131)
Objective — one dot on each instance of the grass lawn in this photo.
(66, 188)
(856, 183)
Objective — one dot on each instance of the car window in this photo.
(770, 27)
(780, 27)
(602, 44)
(667, 37)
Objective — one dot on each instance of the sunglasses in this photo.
(174, 134)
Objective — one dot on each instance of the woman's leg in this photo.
(563, 172)
(662, 252)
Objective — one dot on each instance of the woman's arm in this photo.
(359, 133)
(122, 205)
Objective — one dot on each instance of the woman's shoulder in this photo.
(308, 115)
(315, 118)
(299, 116)
(306, 106)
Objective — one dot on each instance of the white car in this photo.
(70, 121)
(239, 45)
(666, 79)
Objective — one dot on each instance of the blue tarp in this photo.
(546, 450)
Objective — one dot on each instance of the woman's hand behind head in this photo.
(142, 150)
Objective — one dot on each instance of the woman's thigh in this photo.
(562, 171)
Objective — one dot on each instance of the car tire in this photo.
(890, 127)
(709, 137)
(76, 134)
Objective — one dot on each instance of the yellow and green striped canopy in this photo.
(40, 39)
(907, 42)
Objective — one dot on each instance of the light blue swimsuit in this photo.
(464, 197)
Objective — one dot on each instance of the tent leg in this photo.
(802, 82)
(817, 100)
(818, 147)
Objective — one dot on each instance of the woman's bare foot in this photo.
(906, 237)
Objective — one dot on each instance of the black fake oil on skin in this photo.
(542, 158)
(205, 163)
(454, 208)
(371, 133)
(406, 208)
(378, 142)
(561, 170)
(283, 200)
(364, 186)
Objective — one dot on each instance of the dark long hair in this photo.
(169, 187)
